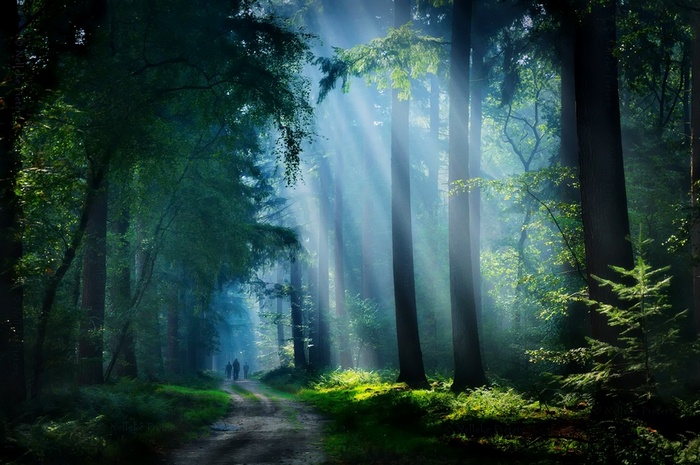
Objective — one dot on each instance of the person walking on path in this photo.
(236, 369)
(245, 370)
(228, 370)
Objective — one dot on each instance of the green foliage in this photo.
(648, 333)
(287, 379)
(630, 442)
(488, 404)
(378, 420)
(346, 379)
(367, 323)
(129, 420)
(394, 60)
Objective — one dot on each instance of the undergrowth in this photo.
(377, 421)
(128, 421)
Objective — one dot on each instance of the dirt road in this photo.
(262, 428)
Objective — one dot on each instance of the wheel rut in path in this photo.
(262, 428)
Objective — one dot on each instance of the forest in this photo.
(468, 227)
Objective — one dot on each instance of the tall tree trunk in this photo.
(91, 340)
(469, 371)
(367, 285)
(695, 184)
(173, 318)
(433, 156)
(575, 325)
(38, 356)
(296, 297)
(411, 369)
(345, 357)
(311, 316)
(11, 293)
(124, 352)
(603, 195)
(280, 318)
(323, 342)
(477, 94)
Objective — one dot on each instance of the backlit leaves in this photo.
(387, 62)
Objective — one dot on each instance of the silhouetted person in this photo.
(245, 370)
(236, 369)
(228, 370)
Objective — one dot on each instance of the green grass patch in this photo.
(126, 422)
(243, 392)
(377, 421)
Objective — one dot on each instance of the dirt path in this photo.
(262, 428)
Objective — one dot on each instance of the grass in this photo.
(126, 422)
(243, 392)
(377, 421)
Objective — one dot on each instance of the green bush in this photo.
(102, 424)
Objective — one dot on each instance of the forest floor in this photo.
(262, 427)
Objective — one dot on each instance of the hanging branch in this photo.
(579, 266)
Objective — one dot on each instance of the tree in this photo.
(695, 169)
(91, 341)
(32, 35)
(11, 294)
(322, 341)
(603, 195)
(296, 298)
(469, 371)
(411, 369)
(339, 254)
(649, 334)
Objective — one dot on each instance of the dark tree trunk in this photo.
(173, 318)
(296, 297)
(576, 324)
(411, 369)
(469, 371)
(603, 195)
(478, 84)
(367, 272)
(11, 293)
(568, 150)
(311, 316)
(195, 349)
(38, 356)
(433, 156)
(280, 318)
(694, 378)
(695, 169)
(91, 340)
(323, 343)
(124, 352)
(339, 249)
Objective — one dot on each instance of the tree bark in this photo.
(91, 340)
(11, 293)
(296, 297)
(603, 194)
(695, 169)
(323, 343)
(694, 377)
(345, 357)
(469, 371)
(124, 352)
(173, 318)
(280, 320)
(477, 94)
(576, 323)
(411, 369)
